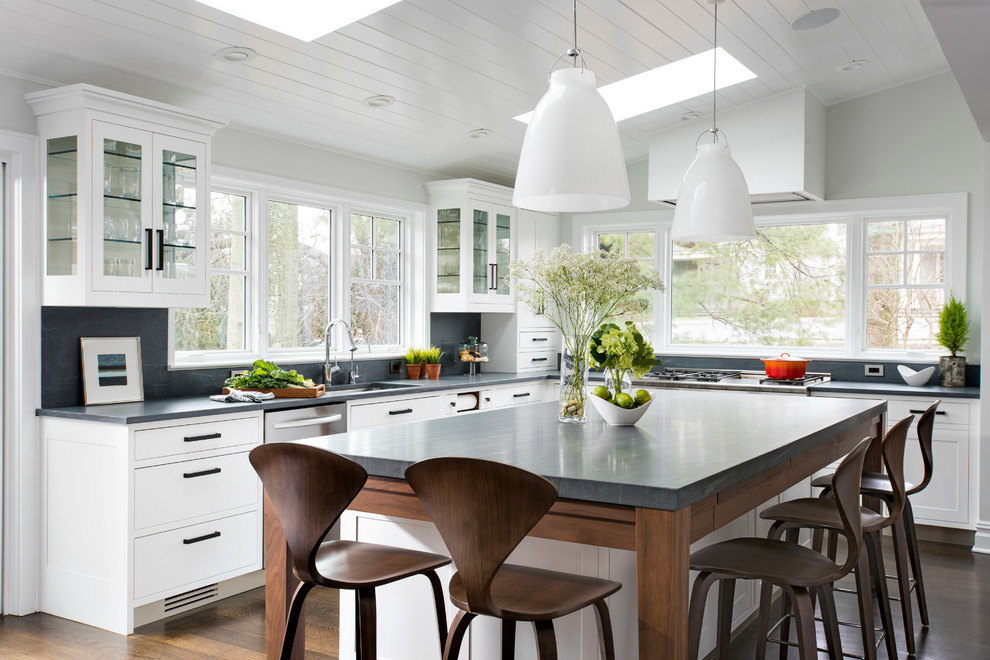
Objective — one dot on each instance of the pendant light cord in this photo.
(714, 78)
(574, 52)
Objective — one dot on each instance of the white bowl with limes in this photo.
(617, 416)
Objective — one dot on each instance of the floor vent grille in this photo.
(194, 597)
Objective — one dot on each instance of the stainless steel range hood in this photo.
(779, 144)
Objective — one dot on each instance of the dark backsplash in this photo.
(61, 364)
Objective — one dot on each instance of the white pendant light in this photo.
(713, 201)
(571, 159)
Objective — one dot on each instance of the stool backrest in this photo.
(483, 510)
(309, 488)
(926, 424)
(893, 460)
(846, 482)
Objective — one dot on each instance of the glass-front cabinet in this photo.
(472, 238)
(126, 208)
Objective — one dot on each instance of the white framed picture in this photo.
(111, 369)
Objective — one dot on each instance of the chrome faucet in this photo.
(328, 369)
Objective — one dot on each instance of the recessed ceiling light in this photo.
(669, 84)
(853, 65)
(690, 115)
(479, 133)
(815, 18)
(303, 19)
(379, 101)
(235, 54)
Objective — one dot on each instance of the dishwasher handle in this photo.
(298, 423)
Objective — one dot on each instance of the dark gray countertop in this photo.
(896, 389)
(170, 409)
(688, 445)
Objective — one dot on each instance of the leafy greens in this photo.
(267, 376)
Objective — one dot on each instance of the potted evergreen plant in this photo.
(953, 333)
(413, 363)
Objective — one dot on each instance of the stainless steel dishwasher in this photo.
(299, 423)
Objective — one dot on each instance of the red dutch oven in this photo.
(785, 367)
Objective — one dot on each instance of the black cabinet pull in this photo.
(521, 394)
(204, 537)
(161, 249)
(149, 234)
(400, 412)
(538, 359)
(203, 473)
(453, 404)
(920, 412)
(540, 339)
(197, 438)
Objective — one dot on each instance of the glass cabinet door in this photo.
(121, 213)
(180, 249)
(62, 232)
(479, 243)
(449, 250)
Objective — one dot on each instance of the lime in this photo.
(641, 397)
(602, 391)
(623, 400)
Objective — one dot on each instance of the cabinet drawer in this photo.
(395, 412)
(537, 360)
(956, 414)
(170, 560)
(193, 489)
(190, 438)
(515, 396)
(540, 339)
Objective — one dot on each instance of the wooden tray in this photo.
(287, 392)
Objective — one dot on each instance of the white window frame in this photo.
(404, 270)
(854, 212)
(341, 203)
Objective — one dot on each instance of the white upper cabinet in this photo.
(472, 239)
(126, 200)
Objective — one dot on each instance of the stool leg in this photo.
(696, 610)
(830, 621)
(457, 631)
(367, 625)
(875, 551)
(804, 618)
(723, 623)
(606, 642)
(904, 587)
(292, 620)
(438, 604)
(864, 597)
(915, 554)
(508, 639)
(766, 591)
(546, 641)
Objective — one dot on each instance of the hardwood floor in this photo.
(958, 584)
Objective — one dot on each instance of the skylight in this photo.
(303, 19)
(669, 84)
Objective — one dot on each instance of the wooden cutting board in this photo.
(287, 392)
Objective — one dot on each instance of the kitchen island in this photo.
(692, 464)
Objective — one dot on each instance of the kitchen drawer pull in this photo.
(202, 473)
(540, 339)
(308, 422)
(405, 411)
(521, 394)
(538, 359)
(197, 438)
(920, 412)
(204, 537)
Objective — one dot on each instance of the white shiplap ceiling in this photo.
(452, 65)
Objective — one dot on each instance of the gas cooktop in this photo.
(732, 380)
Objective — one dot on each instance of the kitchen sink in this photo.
(360, 388)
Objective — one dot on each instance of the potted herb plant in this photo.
(413, 363)
(431, 361)
(953, 333)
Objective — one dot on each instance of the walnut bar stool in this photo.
(310, 488)
(483, 510)
(878, 485)
(797, 570)
(819, 514)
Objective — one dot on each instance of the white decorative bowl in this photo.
(615, 415)
(915, 378)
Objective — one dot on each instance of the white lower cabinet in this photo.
(139, 518)
(950, 499)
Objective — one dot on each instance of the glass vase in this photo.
(574, 380)
(624, 384)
